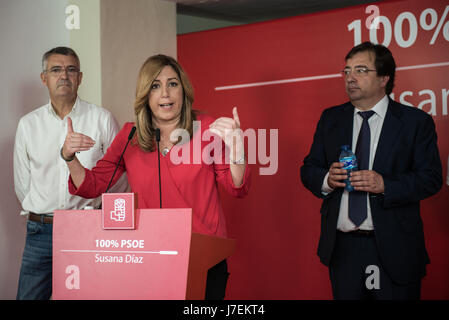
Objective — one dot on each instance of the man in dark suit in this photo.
(372, 239)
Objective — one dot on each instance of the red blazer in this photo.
(184, 185)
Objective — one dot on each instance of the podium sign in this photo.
(118, 210)
(150, 262)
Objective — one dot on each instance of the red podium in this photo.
(159, 259)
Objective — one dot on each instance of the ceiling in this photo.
(248, 11)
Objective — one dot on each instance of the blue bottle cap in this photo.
(345, 147)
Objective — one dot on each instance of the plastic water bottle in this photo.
(349, 160)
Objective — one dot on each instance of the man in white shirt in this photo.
(372, 238)
(41, 174)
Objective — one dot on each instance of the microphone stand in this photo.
(131, 134)
(158, 139)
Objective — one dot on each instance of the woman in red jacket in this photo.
(191, 163)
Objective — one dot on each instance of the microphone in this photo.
(131, 134)
(158, 139)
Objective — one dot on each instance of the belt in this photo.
(42, 218)
(365, 233)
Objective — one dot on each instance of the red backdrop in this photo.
(277, 224)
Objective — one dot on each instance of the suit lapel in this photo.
(390, 130)
(342, 136)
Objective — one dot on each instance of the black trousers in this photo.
(217, 278)
(356, 272)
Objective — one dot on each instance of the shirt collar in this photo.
(52, 111)
(380, 108)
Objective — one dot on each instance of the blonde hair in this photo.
(147, 74)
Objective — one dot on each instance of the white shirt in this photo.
(375, 122)
(40, 174)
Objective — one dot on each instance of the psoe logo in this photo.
(119, 212)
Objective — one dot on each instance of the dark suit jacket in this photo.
(407, 157)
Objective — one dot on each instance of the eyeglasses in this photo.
(57, 71)
(358, 71)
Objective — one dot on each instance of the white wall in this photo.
(27, 30)
(85, 41)
(129, 35)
